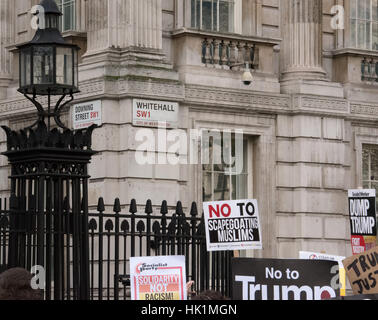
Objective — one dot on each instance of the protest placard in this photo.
(362, 272)
(323, 256)
(279, 279)
(158, 278)
(232, 225)
(363, 222)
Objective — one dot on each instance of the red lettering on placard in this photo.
(224, 210)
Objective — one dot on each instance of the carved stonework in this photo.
(364, 109)
(320, 104)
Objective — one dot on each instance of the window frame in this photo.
(354, 43)
(61, 4)
(368, 147)
(237, 18)
(249, 173)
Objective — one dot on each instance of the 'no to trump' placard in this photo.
(279, 279)
(363, 222)
(232, 225)
(158, 278)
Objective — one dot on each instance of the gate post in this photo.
(49, 164)
(47, 168)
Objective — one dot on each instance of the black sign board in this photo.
(276, 279)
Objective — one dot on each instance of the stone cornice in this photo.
(230, 36)
(211, 96)
(207, 98)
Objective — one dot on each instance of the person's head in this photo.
(15, 284)
(209, 295)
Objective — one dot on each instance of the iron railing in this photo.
(113, 238)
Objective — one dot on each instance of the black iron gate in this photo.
(113, 238)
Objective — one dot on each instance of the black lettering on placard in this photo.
(363, 264)
(368, 282)
(249, 208)
(355, 267)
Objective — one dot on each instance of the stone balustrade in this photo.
(369, 69)
(226, 53)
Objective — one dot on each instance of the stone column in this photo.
(302, 44)
(124, 23)
(6, 38)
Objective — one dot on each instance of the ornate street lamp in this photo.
(49, 65)
(48, 216)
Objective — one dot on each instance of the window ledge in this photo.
(354, 52)
(203, 33)
(74, 34)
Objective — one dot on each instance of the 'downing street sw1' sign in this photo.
(86, 114)
(232, 225)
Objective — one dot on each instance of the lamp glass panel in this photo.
(25, 68)
(64, 67)
(43, 65)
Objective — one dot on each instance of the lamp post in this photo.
(49, 66)
(49, 177)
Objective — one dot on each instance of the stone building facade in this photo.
(309, 117)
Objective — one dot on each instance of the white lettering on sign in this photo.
(151, 113)
(86, 114)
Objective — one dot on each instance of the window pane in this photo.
(207, 187)
(368, 9)
(214, 22)
(375, 36)
(365, 164)
(194, 13)
(221, 187)
(239, 187)
(368, 36)
(361, 9)
(375, 10)
(361, 34)
(353, 25)
(226, 16)
(353, 9)
(374, 164)
(206, 14)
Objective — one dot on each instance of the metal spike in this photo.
(117, 206)
(164, 208)
(133, 206)
(193, 210)
(101, 205)
(148, 209)
(179, 210)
